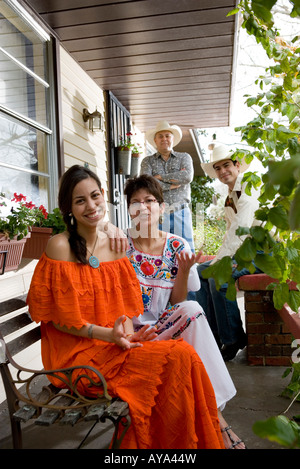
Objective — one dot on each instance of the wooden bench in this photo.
(51, 404)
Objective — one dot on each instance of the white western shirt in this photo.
(242, 215)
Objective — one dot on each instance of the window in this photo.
(28, 158)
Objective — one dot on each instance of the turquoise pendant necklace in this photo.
(93, 260)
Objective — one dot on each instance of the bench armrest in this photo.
(69, 384)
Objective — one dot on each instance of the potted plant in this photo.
(22, 222)
(16, 217)
(124, 154)
(135, 159)
(45, 226)
(55, 221)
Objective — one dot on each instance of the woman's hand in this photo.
(128, 341)
(117, 237)
(186, 260)
(144, 334)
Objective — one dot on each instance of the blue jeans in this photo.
(179, 223)
(223, 315)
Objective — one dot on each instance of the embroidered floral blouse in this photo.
(157, 275)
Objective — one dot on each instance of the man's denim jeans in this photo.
(223, 315)
(179, 223)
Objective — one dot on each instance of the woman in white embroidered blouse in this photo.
(166, 269)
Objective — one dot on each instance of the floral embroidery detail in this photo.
(147, 268)
(157, 267)
(164, 323)
(165, 315)
(186, 325)
(175, 243)
(146, 295)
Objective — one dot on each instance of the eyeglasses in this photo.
(148, 203)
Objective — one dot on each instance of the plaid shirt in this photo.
(178, 167)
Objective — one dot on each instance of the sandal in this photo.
(234, 443)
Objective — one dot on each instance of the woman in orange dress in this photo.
(85, 296)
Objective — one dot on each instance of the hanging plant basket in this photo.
(135, 164)
(37, 243)
(124, 162)
(11, 252)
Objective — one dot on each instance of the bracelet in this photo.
(90, 331)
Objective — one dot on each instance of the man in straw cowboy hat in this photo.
(174, 171)
(224, 315)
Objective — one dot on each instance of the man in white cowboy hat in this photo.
(175, 172)
(224, 315)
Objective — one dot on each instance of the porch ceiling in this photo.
(168, 59)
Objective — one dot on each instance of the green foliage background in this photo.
(274, 138)
(209, 236)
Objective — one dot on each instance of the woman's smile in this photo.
(88, 205)
(95, 214)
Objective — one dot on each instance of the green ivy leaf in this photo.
(278, 217)
(294, 146)
(281, 295)
(296, 10)
(279, 429)
(242, 231)
(258, 233)
(287, 188)
(270, 145)
(269, 192)
(292, 111)
(261, 214)
(221, 271)
(294, 215)
(231, 290)
(247, 251)
(251, 101)
(294, 300)
(262, 10)
(268, 265)
(233, 12)
(292, 254)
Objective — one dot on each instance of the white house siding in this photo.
(81, 146)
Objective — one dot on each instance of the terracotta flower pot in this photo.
(11, 252)
(36, 245)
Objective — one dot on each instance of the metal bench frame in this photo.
(52, 404)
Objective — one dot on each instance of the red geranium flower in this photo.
(29, 205)
(18, 197)
(44, 211)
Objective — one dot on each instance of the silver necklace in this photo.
(93, 260)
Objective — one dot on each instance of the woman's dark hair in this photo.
(144, 181)
(69, 180)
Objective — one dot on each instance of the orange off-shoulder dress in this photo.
(171, 400)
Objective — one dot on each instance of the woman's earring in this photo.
(161, 215)
(72, 219)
